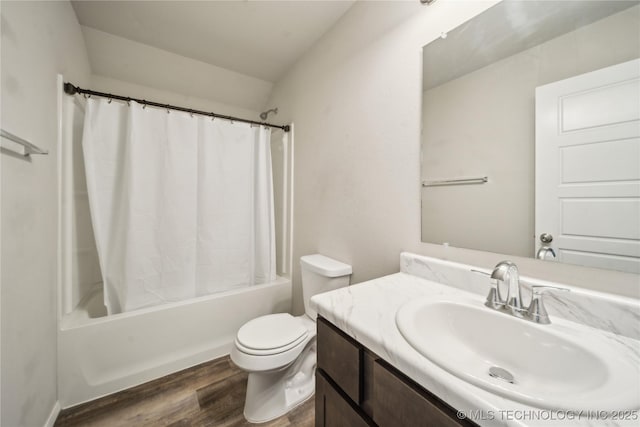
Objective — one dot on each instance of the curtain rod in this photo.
(70, 89)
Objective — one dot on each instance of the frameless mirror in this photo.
(531, 133)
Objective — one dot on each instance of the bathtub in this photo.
(100, 355)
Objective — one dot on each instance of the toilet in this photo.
(279, 350)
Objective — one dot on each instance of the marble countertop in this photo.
(367, 311)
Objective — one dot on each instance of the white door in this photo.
(588, 168)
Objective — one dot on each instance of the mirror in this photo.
(531, 125)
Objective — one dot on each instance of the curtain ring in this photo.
(168, 109)
(109, 102)
(191, 114)
(84, 95)
(145, 104)
(128, 103)
(213, 117)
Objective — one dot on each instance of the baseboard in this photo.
(53, 415)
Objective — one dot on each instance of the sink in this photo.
(562, 366)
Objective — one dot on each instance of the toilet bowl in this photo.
(279, 350)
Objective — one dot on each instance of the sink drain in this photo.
(502, 374)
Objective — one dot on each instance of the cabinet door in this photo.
(332, 410)
(397, 401)
(339, 356)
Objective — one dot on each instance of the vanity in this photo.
(417, 348)
(355, 387)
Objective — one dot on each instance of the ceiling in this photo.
(505, 29)
(261, 39)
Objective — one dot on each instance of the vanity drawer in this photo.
(340, 357)
(398, 401)
(335, 410)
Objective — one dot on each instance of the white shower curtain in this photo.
(181, 206)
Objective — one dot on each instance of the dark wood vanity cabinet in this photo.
(335, 409)
(356, 388)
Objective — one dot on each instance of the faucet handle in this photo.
(484, 273)
(536, 311)
(494, 300)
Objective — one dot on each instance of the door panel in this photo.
(592, 162)
(602, 106)
(588, 167)
(583, 217)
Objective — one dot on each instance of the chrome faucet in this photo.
(506, 271)
(536, 311)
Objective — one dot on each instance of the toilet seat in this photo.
(253, 359)
(271, 334)
(270, 351)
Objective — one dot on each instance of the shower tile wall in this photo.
(280, 159)
(82, 271)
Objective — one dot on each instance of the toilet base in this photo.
(271, 394)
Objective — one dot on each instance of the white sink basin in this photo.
(562, 366)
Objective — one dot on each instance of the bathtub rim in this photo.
(67, 321)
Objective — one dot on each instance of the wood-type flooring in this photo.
(209, 394)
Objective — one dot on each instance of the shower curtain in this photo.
(181, 205)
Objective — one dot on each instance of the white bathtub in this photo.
(101, 355)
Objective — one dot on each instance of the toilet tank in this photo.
(321, 274)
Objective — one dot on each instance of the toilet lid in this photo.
(271, 332)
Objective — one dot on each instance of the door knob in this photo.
(544, 251)
(546, 238)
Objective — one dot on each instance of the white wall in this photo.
(167, 96)
(483, 124)
(355, 100)
(128, 61)
(39, 40)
